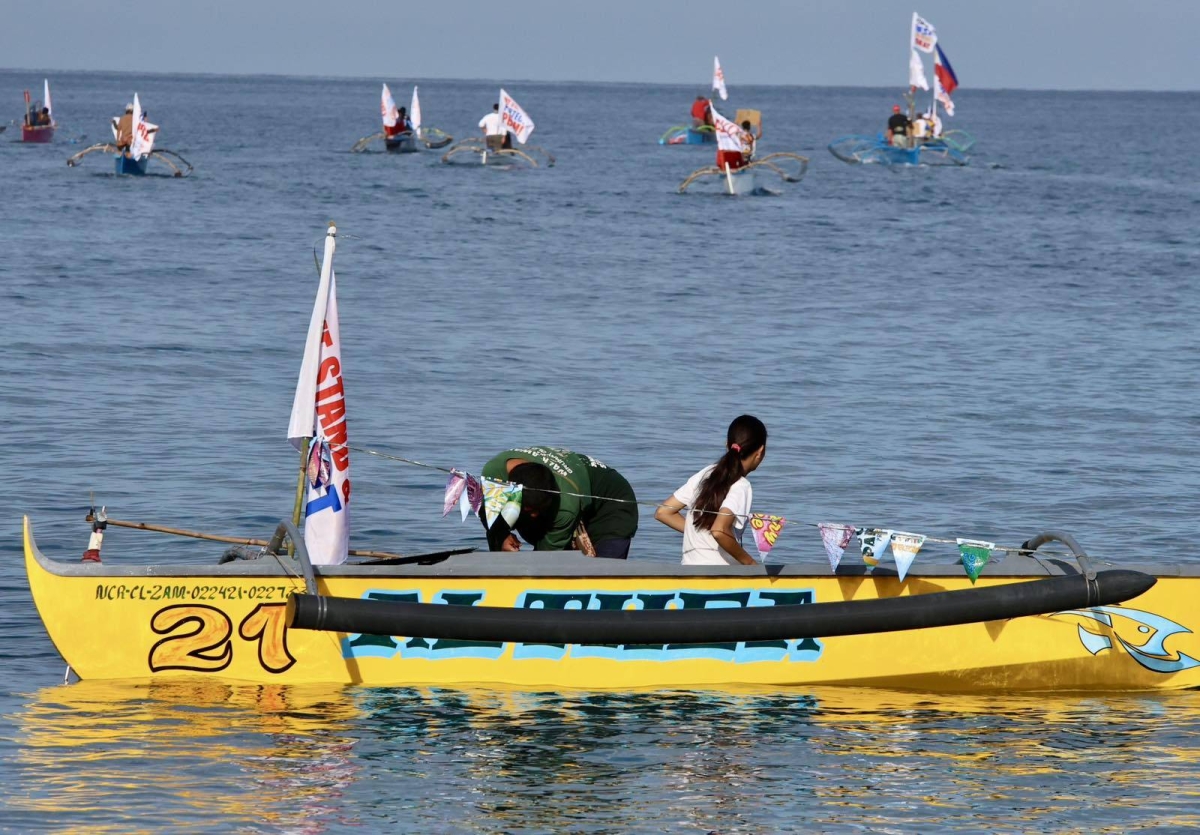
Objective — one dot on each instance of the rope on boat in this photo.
(1027, 548)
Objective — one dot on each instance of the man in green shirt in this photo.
(562, 492)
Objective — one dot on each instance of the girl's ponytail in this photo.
(746, 436)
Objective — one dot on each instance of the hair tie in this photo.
(736, 447)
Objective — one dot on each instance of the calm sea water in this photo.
(987, 351)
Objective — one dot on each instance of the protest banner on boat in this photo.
(387, 107)
(766, 529)
(924, 37)
(319, 416)
(143, 132)
(719, 79)
(729, 135)
(515, 119)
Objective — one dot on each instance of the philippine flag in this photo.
(944, 72)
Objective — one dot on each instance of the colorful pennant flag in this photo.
(835, 538)
(455, 485)
(766, 530)
(472, 497)
(873, 543)
(502, 500)
(904, 550)
(975, 555)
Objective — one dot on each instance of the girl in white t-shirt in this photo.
(717, 500)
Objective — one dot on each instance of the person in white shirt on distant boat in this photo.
(717, 500)
(494, 132)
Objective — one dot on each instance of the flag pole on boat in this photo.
(318, 427)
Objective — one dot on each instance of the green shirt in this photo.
(583, 475)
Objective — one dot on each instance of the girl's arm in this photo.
(669, 513)
(722, 531)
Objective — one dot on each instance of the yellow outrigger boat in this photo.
(280, 620)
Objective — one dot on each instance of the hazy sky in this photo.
(1057, 44)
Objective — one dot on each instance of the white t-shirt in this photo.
(699, 545)
(492, 124)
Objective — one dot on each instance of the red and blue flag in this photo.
(944, 72)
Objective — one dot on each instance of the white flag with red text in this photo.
(319, 414)
(719, 79)
(924, 36)
(729, 135)
(143, 132)
(515, 120)
(387, 107)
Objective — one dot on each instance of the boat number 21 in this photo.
(198, 638)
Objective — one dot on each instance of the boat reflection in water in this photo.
(188, 754)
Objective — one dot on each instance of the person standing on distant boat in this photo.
(569, 501)
(701, 113)
(749, 140)
(493, 129)
(717, 499)
(898, 128)
(124, 129)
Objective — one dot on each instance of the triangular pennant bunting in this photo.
(873, 543)
(454, 491)
(904, 550)
(835, 539)
(766, 531)
(472, 497)
(501, 500)
(975, 555)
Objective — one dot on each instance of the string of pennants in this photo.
(502, 500)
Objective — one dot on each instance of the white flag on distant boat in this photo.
(515, 119)
(923, 34)
(414, 112)
(319, 414)
(387, 107)
(729, 135)
(916, 71)
(719, 79)
(143, 132)
(46, 99)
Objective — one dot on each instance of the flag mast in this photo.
(326, 270)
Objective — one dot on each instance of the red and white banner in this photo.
(719, 79)
(387, 107)
(923, 34)
(414, 112)
(319, 414)
(143, 132)
(729, 135)
(515, 120)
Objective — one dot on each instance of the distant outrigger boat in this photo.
(135, 160)
(695, 134)
(39, 134)
(395, 138)
(1035, 621)
(936, 148)
(516, 122)
(742, 178)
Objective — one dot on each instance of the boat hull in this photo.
(41, 136)
(230, 622)
(403, 144)
(743, 182)
(129, 165)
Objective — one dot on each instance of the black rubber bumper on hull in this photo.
(694, 626)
